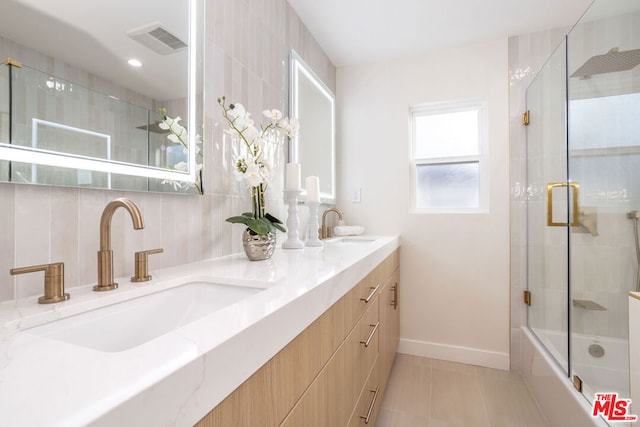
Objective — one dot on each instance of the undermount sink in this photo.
(130, 323)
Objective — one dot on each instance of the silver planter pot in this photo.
(258, 247)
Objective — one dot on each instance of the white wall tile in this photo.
(32, 234)
(64, 231)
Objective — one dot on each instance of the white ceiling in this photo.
(362, 31)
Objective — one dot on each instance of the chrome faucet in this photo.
(105, 254)
(325, 232)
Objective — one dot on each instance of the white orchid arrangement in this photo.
(178, 134)
(252, 167)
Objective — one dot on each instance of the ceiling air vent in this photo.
(157, 38)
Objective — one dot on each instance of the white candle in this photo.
(292, 176)
(312, 185)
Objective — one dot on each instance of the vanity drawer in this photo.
(295, 366)
(360, 298)
(270, 393)
(324, 403)
(362, 351)
(363, 294)
(366, 410)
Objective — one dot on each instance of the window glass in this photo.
(449, 166)
(447, 134)
(452, 185)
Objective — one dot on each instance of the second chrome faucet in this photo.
(105, 254)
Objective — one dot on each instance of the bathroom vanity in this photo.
(317, 328)
(334, 373)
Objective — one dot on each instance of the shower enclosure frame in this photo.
(580, 246)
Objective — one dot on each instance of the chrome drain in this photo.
(596, 350)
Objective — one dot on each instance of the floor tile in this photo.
(457, 397)
(508, 400)
(408, 389)
(424, 392)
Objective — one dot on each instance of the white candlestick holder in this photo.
(313, 225)
(292, 242)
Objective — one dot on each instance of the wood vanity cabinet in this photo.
(329, 374)
(370, 397)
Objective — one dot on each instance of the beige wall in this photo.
(247, 50)
(455, 268)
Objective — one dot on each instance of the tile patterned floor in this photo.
(426, 392)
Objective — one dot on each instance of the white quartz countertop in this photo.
(178, 377)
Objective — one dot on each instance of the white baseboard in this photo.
(451, 353)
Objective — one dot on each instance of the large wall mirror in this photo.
(88, 85)
(313, 104)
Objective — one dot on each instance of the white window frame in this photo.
(482, 158)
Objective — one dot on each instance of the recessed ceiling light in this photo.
(134, 63)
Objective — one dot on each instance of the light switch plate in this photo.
(356, 195)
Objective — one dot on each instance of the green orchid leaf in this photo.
(258, 226)
(272, 227)
(279, 227)
(248, 214)
(268, 224)
(273, 219)
(238, 220)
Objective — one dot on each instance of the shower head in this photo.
(611, 62)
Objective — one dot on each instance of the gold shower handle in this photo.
(575, 222)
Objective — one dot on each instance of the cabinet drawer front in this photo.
(362, 350)
(295, 366)
(324, 403)
(366, 410)
(360, 299)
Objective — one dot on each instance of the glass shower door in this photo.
(548, 195)
(604, 156)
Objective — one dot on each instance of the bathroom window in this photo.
(449, 152)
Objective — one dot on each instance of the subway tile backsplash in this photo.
(247, 53)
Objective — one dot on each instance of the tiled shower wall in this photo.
(604, 267)
(247, 49)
